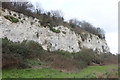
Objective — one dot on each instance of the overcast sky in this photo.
(100, 13)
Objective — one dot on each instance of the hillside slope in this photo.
(18, 27)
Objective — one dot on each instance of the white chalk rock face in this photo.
(30, 29)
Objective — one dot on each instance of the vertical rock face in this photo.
(30, 29)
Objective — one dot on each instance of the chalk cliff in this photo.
(29, 28)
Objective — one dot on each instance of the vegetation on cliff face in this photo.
(12, 19)
(52, 18)
(54, 30)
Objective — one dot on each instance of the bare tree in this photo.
(56, 13)
(38, 8)
(22, 6)
(74, 22)
(57, 17)
(101, 33)
(7, 5)
(90, 28)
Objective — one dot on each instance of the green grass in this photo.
(89, 72)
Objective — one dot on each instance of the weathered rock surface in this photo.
(30, 29)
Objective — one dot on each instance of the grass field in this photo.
(110, 71)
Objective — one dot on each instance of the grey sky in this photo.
(100, 13)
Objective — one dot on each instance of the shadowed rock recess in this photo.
(18, 27)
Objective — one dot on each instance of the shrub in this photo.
(109, 58)
(12, 19)
(87, 56)
(13, 54)
(9, 47)
(64, 53)
(34, 46)
(13, 61)
(25, 49)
